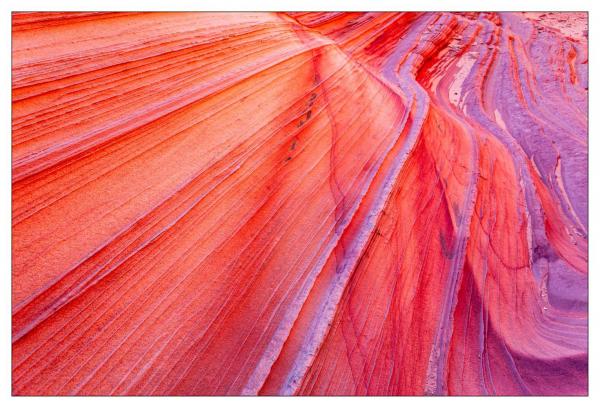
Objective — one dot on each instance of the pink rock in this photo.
(301, 203)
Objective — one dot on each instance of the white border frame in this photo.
(7, 6)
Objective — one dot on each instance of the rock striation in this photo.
(299, 204)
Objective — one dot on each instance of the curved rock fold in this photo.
(299, 204)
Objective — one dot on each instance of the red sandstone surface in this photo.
(301, 203)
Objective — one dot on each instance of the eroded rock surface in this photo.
(301, 203)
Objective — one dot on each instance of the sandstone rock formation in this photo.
(299, 203)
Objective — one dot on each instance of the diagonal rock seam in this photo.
(190, 276)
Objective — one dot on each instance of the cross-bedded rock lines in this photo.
(299, 203)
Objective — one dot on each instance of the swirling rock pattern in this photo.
(299, 203)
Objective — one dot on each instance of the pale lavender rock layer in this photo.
(300, 203)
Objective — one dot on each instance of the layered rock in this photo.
(300, 203)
